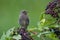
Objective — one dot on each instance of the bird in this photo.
(24, 22)
(24, 19)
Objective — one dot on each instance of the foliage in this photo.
(9, 35)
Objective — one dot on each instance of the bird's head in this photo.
(24, 12)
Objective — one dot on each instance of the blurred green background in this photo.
(10, 10)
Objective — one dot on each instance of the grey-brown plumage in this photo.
(24, 20)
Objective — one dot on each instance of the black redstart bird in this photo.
(24, 22)
(24, 19)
